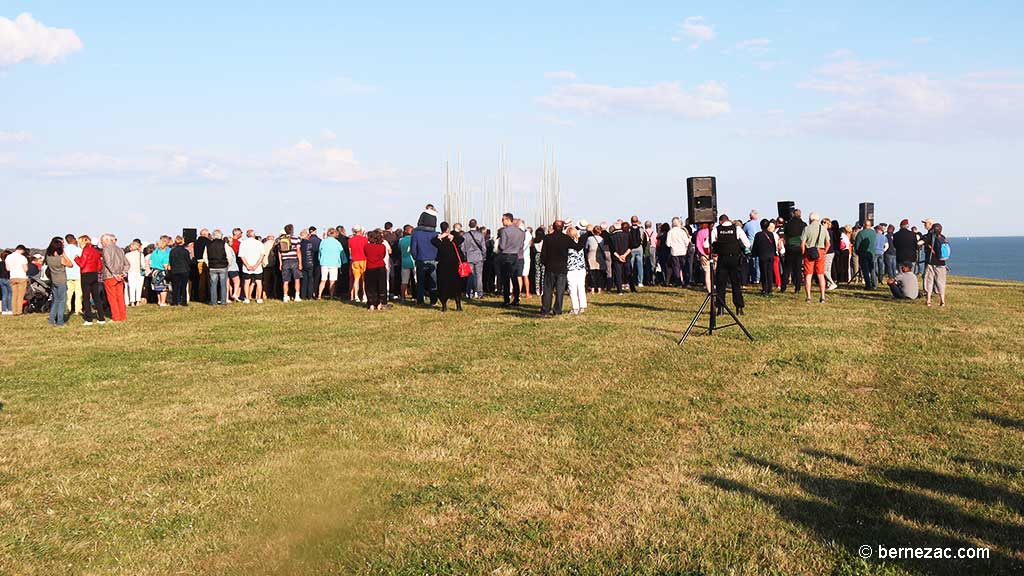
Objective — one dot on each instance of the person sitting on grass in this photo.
(904, 285)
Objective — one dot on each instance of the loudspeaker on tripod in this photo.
(702, 199)
(867, 212)
(786, 209)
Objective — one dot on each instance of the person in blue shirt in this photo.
(425, 254)
(751, 228)
(331, 256)
(881, 243)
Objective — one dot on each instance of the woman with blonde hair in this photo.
(91, 264)
(133, 287)
(159, 263)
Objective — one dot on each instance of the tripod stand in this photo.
(716, 303)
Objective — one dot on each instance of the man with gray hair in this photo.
(115, 270)
(751, 228)
(216, 260)
(814, 242)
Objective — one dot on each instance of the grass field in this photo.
(319, 438)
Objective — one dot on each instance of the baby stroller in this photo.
(38, 296)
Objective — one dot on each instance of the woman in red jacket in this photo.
(91, 263)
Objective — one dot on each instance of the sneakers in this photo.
(259, 300)
(87, 323)
(102, 322)
(808, 299)
(298, 299)
(822, 300)
(246, 301)
(286, 298)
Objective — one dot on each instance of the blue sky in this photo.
(140, 119)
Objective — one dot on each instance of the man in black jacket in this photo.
(793, 267)
(555, 258)
(216, 259)
(765, 250)
(727, 249)
(621, 254)
(181, 264)
(905, 243)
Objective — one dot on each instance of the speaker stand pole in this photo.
(712, 298)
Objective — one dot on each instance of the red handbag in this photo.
(465, 270)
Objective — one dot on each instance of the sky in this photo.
(141, 118)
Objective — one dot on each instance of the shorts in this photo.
(520, 264)
(329, 273)
(232, 273)
(406, 276)
(812, 267)
(935, 279)
(253, 276)
(358, 268)
(290, 271)
(704, 260)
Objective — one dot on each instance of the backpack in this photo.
(944, 249)
(285, 243)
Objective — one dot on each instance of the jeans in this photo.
(636, 261)
(793, 268)
(218, 286)
(754, 269)
(309, 285)
(5, 294)
(681, 269)
(75, 292)
(135, 282)
(114, 290)
(554, 285)
(57, 311)
(475, 282)
(829, 258)
(890, 265)
(728, 271)
(879, 267)
(867, 269)
(179, 289)
(577, 280)
(766, 269)
(426, 281)
(91, 296)
(507, 277)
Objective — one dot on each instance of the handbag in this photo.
(465, 270)
(812, 252)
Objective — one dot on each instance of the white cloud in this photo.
(14, 137)
(869, 99)
(156, 165)
(328, 134)
(754, 44)
(560, 75)
(840, 53)
(707, 100)
(696, 31)
(25, 38)
(324, 164)
(345, 85)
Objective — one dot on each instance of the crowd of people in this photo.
(449, 263)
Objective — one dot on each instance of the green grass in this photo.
(319, 438)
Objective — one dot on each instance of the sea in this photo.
(996, 257)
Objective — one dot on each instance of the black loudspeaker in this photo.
(189, 234)
(867, 212)
(786, 209)
(702, 199)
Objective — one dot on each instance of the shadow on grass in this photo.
(999, 420)
(856, 513)
(522, 311)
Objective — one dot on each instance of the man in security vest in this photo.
(726, 248)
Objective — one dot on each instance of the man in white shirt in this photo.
(17, 267)
(678, 241)
(74, 273)
(250, 251)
